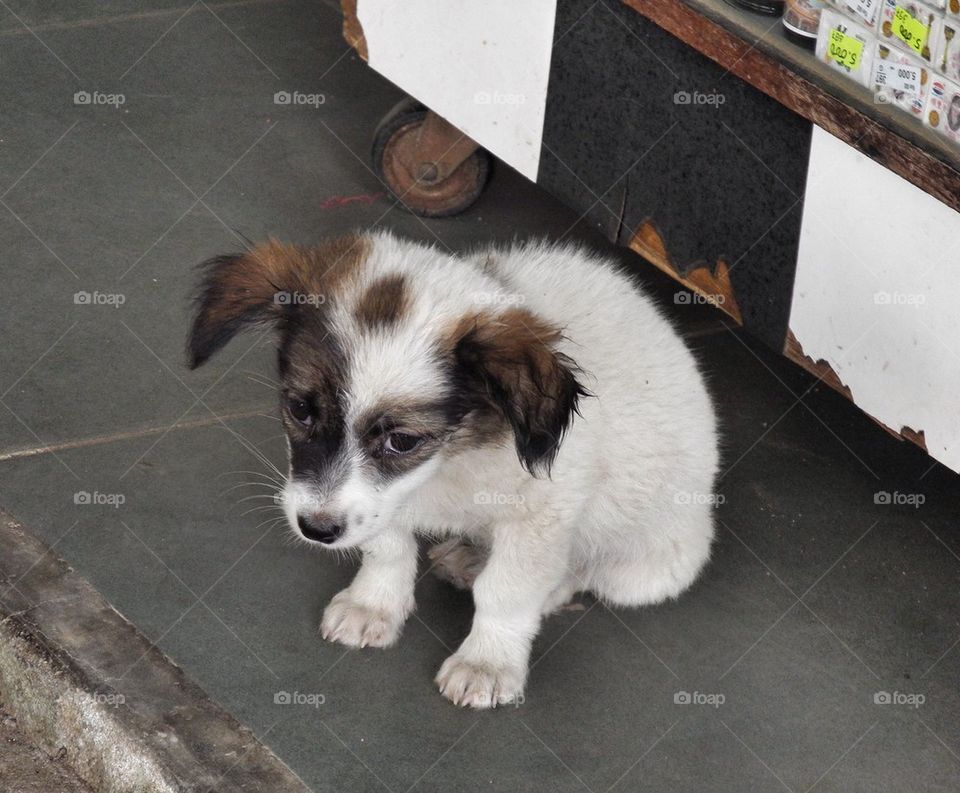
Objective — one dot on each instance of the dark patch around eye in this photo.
(426, 420)
(402, 442)
(301, 410)
(311, 365)
(391, 466)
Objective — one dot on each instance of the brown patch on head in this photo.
(506, 368)
(323, 270)
(266, 284)
(384, 302)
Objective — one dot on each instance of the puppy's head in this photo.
(388, 369)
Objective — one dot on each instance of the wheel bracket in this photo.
(440, 149)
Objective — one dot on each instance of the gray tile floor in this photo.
(816, 599)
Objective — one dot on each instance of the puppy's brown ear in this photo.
(264, 285)
(510, 360)
(236, 292)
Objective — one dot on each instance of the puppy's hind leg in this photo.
(562, 595)
(458, 562)
(659, 569)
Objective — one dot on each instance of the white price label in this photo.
(900, 77)
(866, 9)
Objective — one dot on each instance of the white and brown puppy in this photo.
(529, 402)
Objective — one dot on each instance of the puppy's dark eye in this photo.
(401, 443)
(301, 411)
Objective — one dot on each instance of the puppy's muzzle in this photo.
(320, 528)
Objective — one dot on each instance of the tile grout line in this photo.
(99, 440)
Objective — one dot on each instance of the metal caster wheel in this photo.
(427, 163)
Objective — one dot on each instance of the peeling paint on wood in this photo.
(825, 373)
(712, 283)
(352, 29)
(820, 369)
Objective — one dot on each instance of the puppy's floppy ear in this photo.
(257, 287)
(236, 292)
(509, 358)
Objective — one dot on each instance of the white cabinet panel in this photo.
(483, 66)
(877, 294)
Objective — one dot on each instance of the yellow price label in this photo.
(844, 50)
(909, 30)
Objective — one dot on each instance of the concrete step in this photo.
(87, 688)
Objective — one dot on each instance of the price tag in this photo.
(898, 77)
(910, 31)
(866, 9)
(845, 50)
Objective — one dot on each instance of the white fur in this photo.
(626, 512)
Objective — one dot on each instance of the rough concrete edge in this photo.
(55, 711)
(82, 681)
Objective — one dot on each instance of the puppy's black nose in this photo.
(319, 528)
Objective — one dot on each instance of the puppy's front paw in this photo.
(351, 623)
(479, 685)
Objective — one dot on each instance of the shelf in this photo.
(753, 47)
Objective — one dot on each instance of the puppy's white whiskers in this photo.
(279, 482)
(270, 496)
(262, 379)
(259, 509)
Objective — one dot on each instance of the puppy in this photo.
(529, 403)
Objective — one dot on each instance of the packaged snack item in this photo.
(947, 53)
(943, 108)
(865, 11)
(900, 79)
(772, 7)
(845, 45)
(914, 27)
(801, 21)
